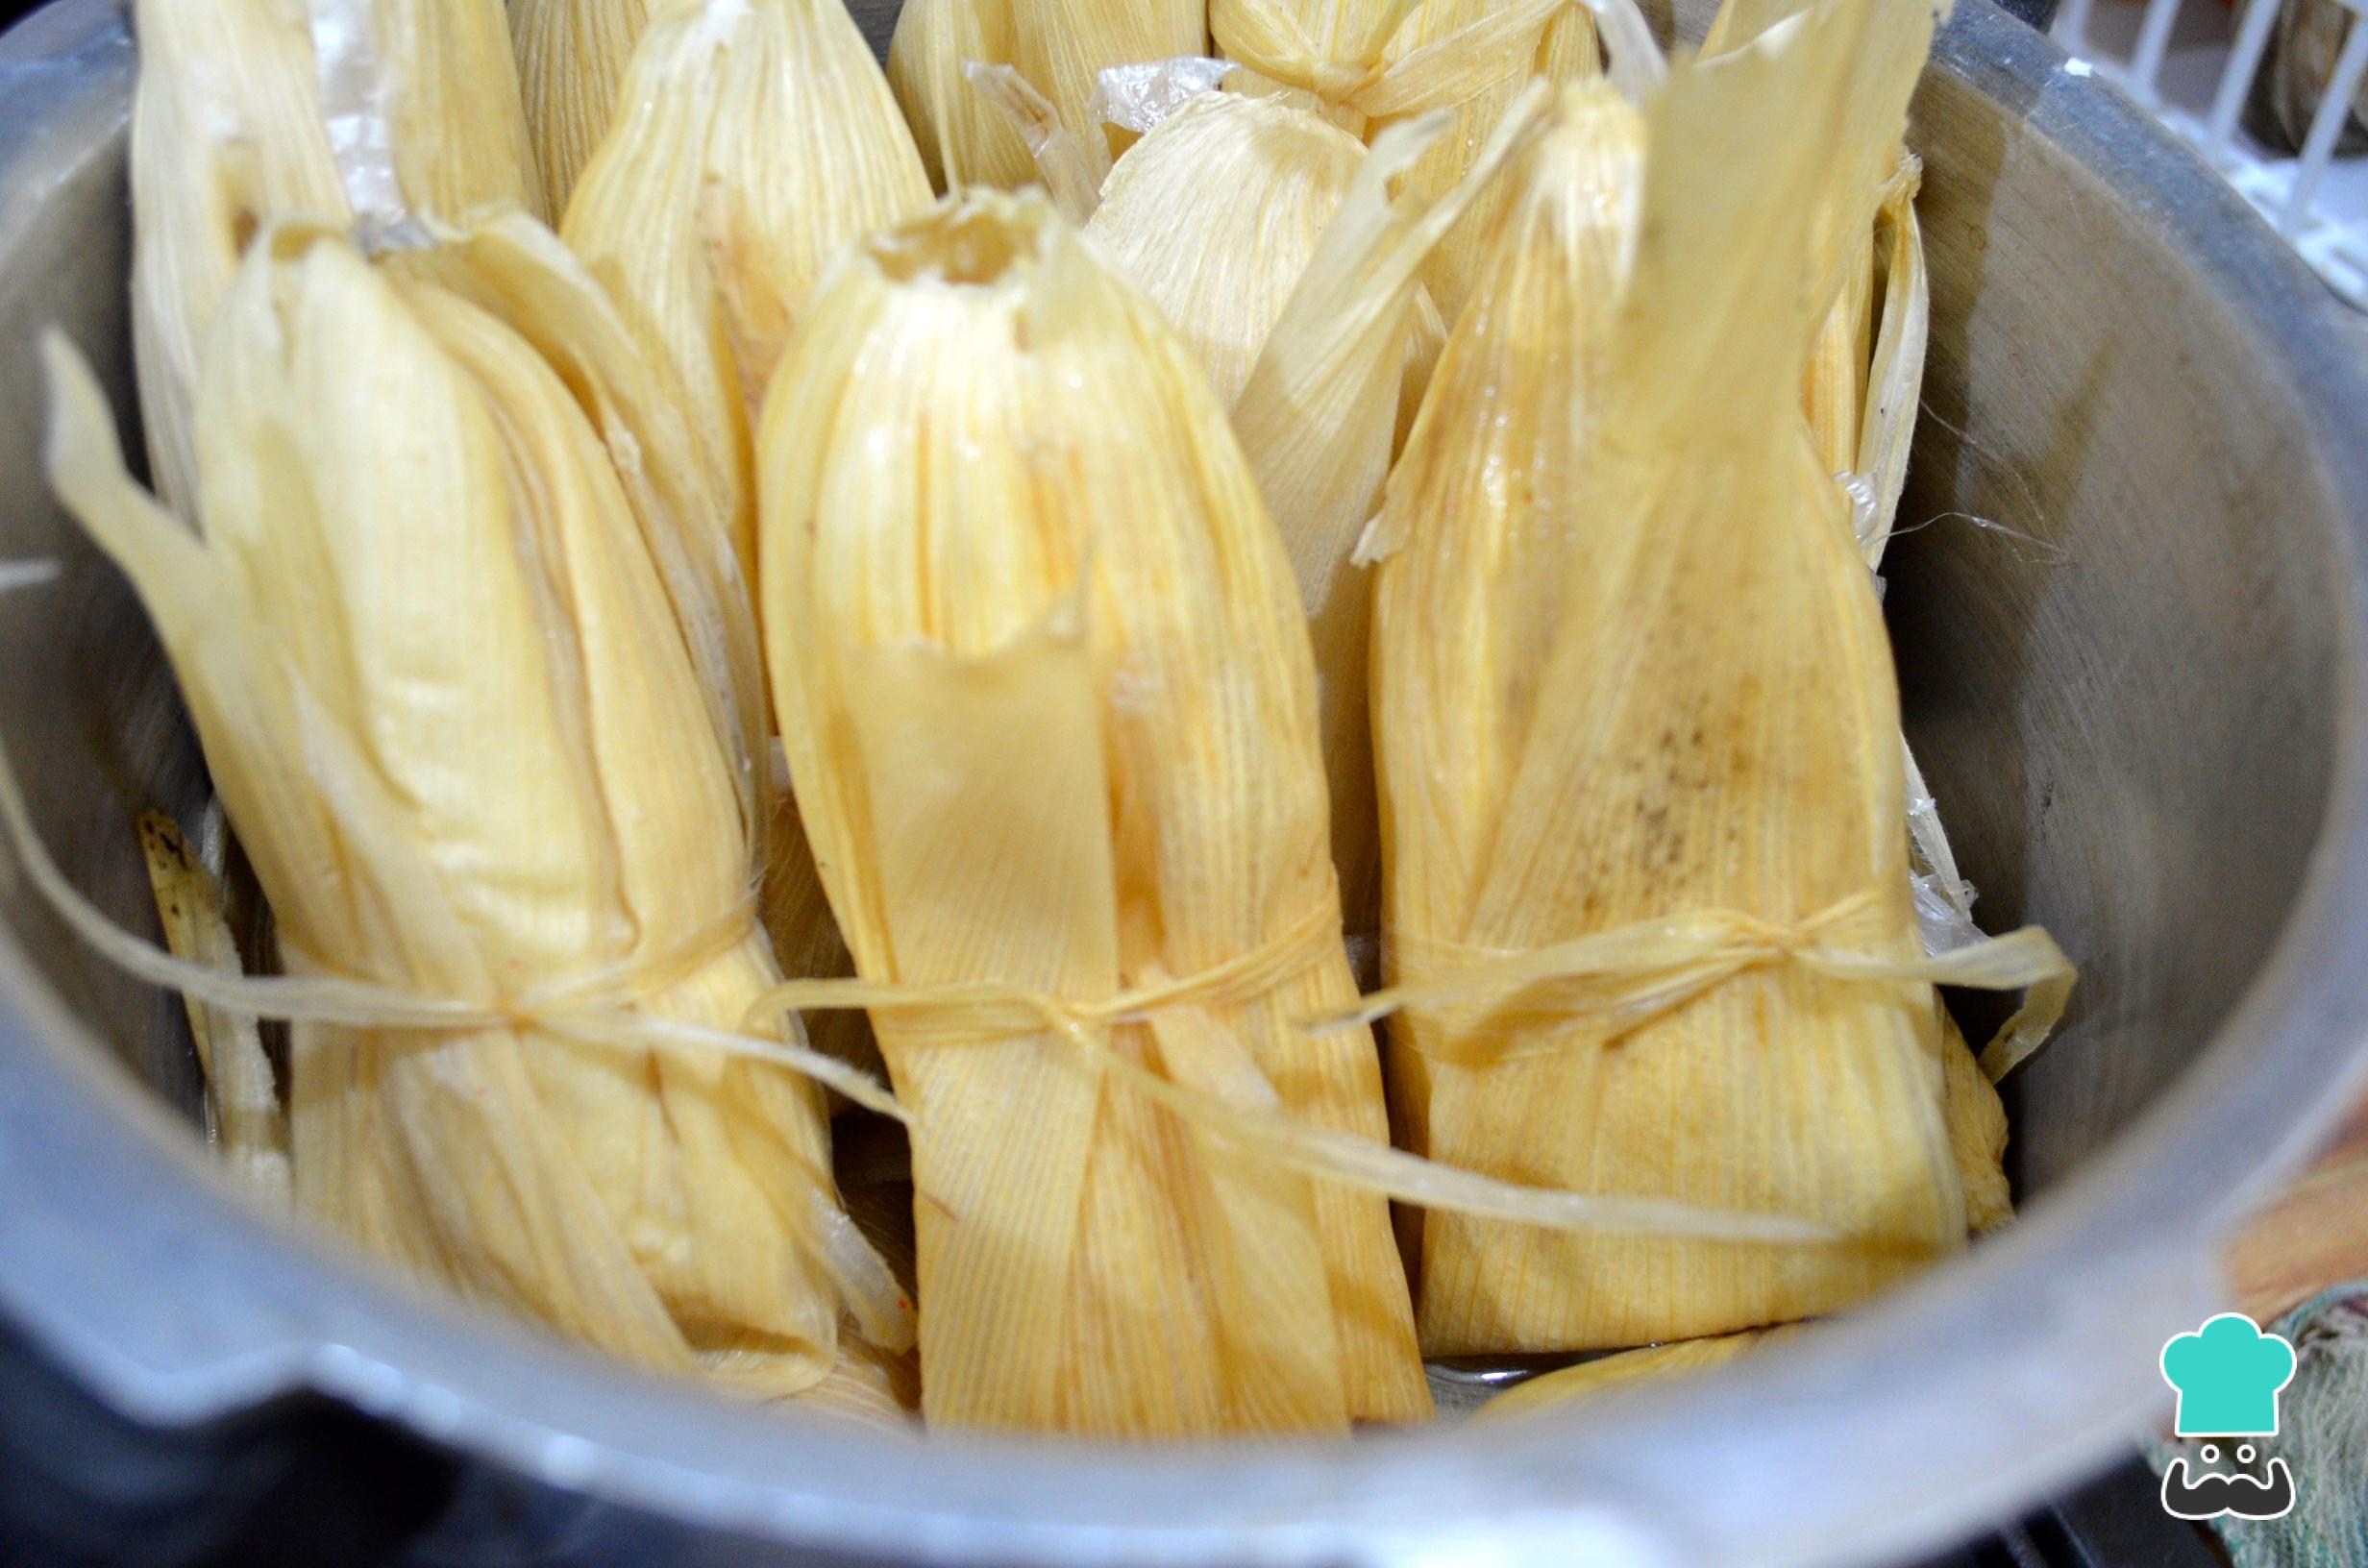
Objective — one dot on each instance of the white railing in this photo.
(2194, 64)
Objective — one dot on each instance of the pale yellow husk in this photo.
(1057, 46)
(1322, 418)
(1626, 1372)
(1977, 1123)
(1835, 391)
(445, 654)
(251, 111)
(753, 141)
(1216, 214)
(1566, 53)
(964, 140)
(423, 108)
(1049, 708)
(1375, 62)
(1895, 376)
(1628, 666)
(227, 136)
(572, 56)
(1862, 398)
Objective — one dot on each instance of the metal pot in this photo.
(2147, 736)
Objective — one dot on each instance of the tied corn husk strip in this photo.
(1057, 47)
(572, 56)
(227, 137)
(1626, 1372)
(422, 106)
(975, 1013)
(754, 139)
(428, 641)
(1322, 420)
(1038, 743)
(244, 1116)
(1750, 672)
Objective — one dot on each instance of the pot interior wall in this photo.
(2123, 691)
(2118, 624)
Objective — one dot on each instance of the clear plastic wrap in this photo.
(1137, 97)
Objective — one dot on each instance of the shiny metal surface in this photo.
(2152, 741)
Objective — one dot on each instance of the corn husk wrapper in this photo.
(1834, 391)
(1058, 47)
(1659, 667)
(1862, 398)
(1901, 332)
(251, 111)
(244, 1119)
(1567, 52)
(1323, 416)
(444, 660)
(1626, 1372)
(1977, 1123)
(1216, 214)
(1324, 301)
(754, 139)
(1070, 172)
(1050, 715)
(572, 57)
(964, 140)
(1386, 58)
(1382, 61)
(1511, 411)
(423, 108)
(227, 136)
(1837, 389)
(1866, 375)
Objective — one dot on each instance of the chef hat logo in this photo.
(2228, 1374)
